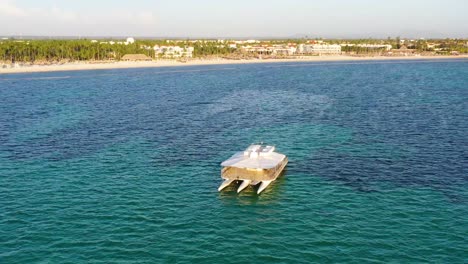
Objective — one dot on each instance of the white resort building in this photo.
(318, 49)
(173, 51)
(127, 42)
(270, 49)
(387, 47)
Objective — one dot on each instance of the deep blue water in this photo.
(122, 166)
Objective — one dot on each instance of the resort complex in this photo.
(16, 52)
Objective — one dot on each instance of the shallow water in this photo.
(123, 165)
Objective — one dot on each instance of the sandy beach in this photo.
(170, 63)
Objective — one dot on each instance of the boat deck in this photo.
(234, 173)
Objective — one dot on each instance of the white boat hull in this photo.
(225, 184)
(243, 185)
(259, 164)
(263, 186)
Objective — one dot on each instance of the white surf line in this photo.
(195, 70)
(114, 74)
(364, 62)
(36, 78)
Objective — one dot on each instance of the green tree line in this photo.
(37, 51)
(59, 50)
(33, 51)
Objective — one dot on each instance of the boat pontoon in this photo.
(259, 163)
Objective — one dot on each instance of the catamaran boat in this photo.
(259, 163)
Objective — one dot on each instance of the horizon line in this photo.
(217, 37)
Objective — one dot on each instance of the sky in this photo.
(236, 18)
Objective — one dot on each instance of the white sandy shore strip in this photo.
(168, 63)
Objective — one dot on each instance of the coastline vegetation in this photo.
(42, 51)
(420, 46)
(51, 51)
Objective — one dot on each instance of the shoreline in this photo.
(77, 66)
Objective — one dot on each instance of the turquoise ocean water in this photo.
(122, 166)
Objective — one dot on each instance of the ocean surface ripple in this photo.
(122, 166)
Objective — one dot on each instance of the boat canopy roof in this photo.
(255, 157)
